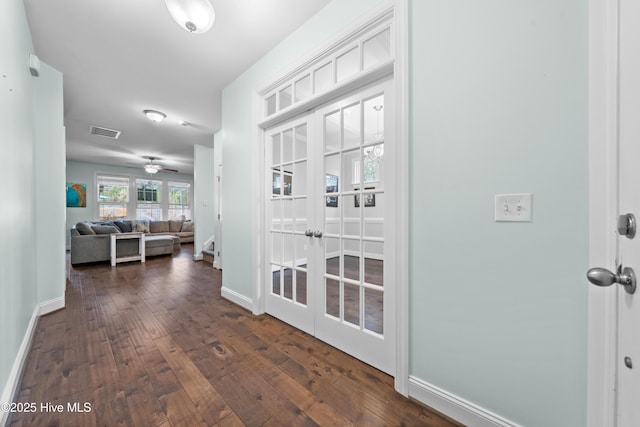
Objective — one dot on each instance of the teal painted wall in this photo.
(499, 101)
(84, 173)
(498, 104)
(50, 203)
(29, 108)
(18, 290)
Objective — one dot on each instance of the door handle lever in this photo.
(317, 233)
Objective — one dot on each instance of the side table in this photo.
(115, 237)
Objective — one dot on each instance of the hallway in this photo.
(154, 344)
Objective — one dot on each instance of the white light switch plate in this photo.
(513, 207)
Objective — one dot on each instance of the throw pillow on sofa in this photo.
(140, 225)
(175, 226)
(159, 226)
(105, 229)
(187, 227)
(123, 226)
(84, 229)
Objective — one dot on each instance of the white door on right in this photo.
(355, 299)
(628, 360)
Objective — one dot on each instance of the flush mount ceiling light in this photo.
(195, 16)
(154, 116)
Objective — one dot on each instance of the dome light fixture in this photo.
(154, 116)
(194, 16)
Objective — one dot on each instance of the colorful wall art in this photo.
(76, 195)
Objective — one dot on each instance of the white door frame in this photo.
(603, 137)
(401, 81)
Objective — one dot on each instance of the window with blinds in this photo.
(113, 196)
(149, 199)
(179, 204)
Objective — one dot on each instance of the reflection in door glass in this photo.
(288, 249)
(287, 145)
(288, 284)
(377, 49)
(333, 298)
(374, 119)
(301, 287)
(275, 149)
(351, 126)
(303, 88)
(276, 248)
(275, 280)
(323, 78)
(286, 97)
(351, 259)
(352, 303)
(373, 214)
(348, 64)
(374, 310)
(300, 175)
(270, 104)
(301, 142)
(301, 214)
(332, 256)
(373, 263)
(287, 215)
(332, 132)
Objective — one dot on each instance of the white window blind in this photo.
(112, 197)
(149, 199)
(179, 200)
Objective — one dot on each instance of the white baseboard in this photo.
(51, 306)
(198, 257)
(13, 381)
(236, 298)
(454, 406)
(15, 375)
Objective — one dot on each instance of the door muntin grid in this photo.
(353, 199)
(287, 213)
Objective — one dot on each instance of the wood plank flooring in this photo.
(154, 344)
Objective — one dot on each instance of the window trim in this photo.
(132, 203)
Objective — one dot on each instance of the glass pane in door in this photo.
(351, 303)
(332, 293)
(353, 205)
(373, 310)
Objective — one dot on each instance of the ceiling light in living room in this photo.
(154, 116)
(195, 16)
(151, 168)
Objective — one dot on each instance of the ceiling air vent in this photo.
(107, 133)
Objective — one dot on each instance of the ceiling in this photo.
(120, 57)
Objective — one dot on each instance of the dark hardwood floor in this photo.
(154, 344)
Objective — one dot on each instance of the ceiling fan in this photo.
(152, 167)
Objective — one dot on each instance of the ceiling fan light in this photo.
(194, 16)
(154, 116)
(150, 168)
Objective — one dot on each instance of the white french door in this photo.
(329, 210)
(289, 216)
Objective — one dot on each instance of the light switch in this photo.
(513, 207)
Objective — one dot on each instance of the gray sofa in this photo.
(91, 241)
